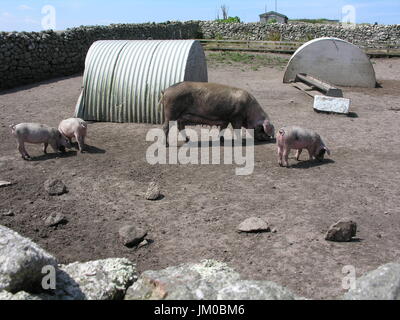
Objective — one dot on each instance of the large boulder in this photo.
(21, 295)
(380, 284)
(186, 281)
(21, 262)
(208, 280)
(255, 290)
(105, 279)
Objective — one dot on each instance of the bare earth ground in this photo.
(203, 204)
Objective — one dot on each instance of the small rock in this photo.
(55, 219)
(342, 231)
(153, 191)
(274, 230)
(253, 224)
(5, 184)
(55, 187)
(143, 243)
(131, 236)
(6, 213)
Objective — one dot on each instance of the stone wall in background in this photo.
(372, 35)
(27, 57)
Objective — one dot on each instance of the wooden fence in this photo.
(289, 47)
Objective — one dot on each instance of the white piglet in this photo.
(38, 133)
(74, 127)
(299, 138)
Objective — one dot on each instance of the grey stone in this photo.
(153, 191)
(380, 284)
(255, 290)
(55, 219)
(208, 280)
(105, 279)
(21, 295)
(253, 224)
(21, 262)
(6, 213)
(186, 281)
(131, 235)
(5, 184)
(342, 231)
(331, 104)
(55, 187)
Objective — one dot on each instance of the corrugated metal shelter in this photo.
(123, 79)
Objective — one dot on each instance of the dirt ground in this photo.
(203, 204)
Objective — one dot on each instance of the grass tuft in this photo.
(254, 61)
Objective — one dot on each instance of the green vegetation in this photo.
(274, 36)
(229, 20)
(272, 21)
(321, 20)
(254, 61)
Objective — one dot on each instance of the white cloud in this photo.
(6, 15)
(24, 7)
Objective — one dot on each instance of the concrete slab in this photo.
(332, 60)
(332, 104)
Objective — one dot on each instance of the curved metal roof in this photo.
(123, 79)
(332, 60)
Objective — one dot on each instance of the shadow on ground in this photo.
(50, 156)
(310, 164)
(88, 148)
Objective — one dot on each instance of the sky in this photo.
(36, 15)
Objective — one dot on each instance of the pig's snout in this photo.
(63, 142)
(269, 129)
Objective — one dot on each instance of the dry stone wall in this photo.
(27, 57)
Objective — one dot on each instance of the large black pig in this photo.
(204, 103)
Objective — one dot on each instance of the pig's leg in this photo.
(280, 154)
(310, 153)
(22, 150)
(45, 145)
(181, 128)
(166, 131)
(81, 142)
(237, 125)
(286, 157)
(54, 146)
(222, 128)
(298, 153)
